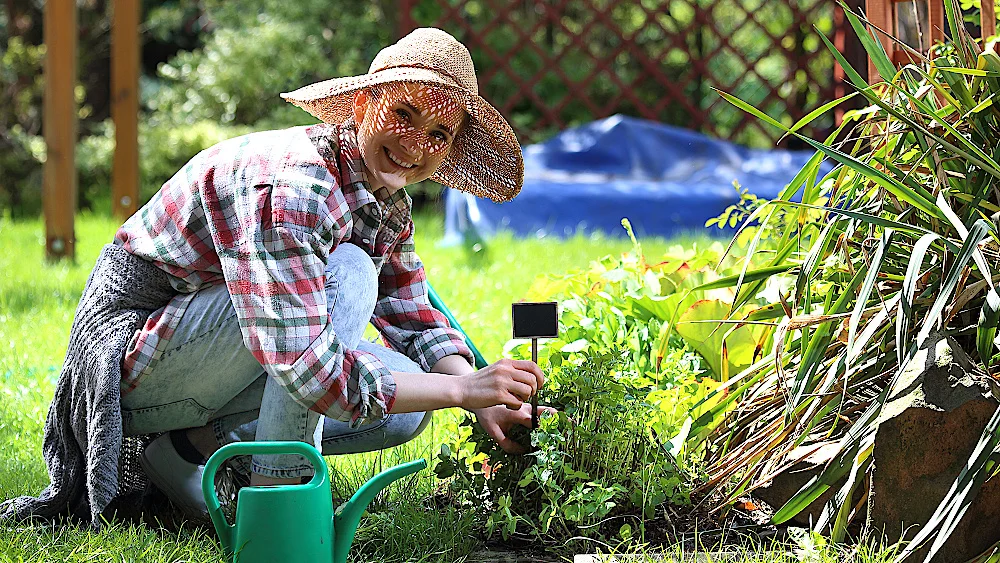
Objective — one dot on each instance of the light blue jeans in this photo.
(207, 376)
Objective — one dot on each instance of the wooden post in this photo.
(880, 14)
(935, 13)
(404, 23)
(987, 20)
(125, 107)
(60, 129)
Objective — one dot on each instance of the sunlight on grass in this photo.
(37, 302)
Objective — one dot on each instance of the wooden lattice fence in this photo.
(549, 64)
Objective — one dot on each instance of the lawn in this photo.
(37, 301)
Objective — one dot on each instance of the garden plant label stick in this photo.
(534, 397)
(534, 321)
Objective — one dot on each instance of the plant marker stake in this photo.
(534, 397)
(534, 321)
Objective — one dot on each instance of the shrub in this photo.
(22, 150)
(905, 249)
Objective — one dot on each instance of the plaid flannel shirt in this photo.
(261, 213)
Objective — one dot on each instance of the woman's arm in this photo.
(506, 382)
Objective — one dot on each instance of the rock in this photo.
(803, 463)
(929, 426)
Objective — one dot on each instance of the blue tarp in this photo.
(665, 180)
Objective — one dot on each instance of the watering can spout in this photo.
(348, 515)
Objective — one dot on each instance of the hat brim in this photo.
(485, 158)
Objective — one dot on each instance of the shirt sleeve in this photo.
(404, 315)
(275, 275)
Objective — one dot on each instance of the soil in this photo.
(690, 528)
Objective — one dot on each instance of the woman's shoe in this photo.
(180, 480)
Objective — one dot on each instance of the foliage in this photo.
(626, 375)
(21, 147)
(905, 249)
(216, 61)
(232, 78)
(631, 304)
(597, 467)
(971, 10)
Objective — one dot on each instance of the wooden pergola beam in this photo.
(988, 19)
(881, 13)
(125, 107)
(59, 189)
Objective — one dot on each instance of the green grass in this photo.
(37, 301)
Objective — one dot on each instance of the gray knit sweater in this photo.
(83, 430)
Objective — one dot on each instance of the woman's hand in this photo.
(497, 422)
(505, 382)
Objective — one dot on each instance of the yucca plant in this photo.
(897, 243)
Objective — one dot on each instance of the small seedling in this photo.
(534, 321)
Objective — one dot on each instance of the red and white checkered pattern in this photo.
(261, 213)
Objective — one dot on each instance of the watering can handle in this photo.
(320, 475)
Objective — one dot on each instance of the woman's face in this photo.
(405, 131)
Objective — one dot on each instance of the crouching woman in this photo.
(231, 307)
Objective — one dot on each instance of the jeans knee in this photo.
(409, 426)
(352, 270)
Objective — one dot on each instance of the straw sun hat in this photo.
(485, 158)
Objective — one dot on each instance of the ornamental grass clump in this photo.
(905, 247)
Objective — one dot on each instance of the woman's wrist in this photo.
(427, 391)
(458, 367)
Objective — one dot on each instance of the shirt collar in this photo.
(338, 145)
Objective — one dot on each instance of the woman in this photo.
(231, 306)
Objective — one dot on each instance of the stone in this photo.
(802, 464)
(928, 429)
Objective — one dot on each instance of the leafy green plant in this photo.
(596, 468)
(625, 376)
(907, 246)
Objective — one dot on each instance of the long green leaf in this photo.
(874, 47)
(907, 292)
(866, 291)
(968, 71)
(839, 506)
(852, 75)
(979, 231)
(866, 217)
(984, 160)
(890, 184)
(808, 118)
(812, 360)
(986, 328)
(754, 275)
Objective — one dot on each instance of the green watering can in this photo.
(291, 523)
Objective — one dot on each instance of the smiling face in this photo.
(405, 131)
